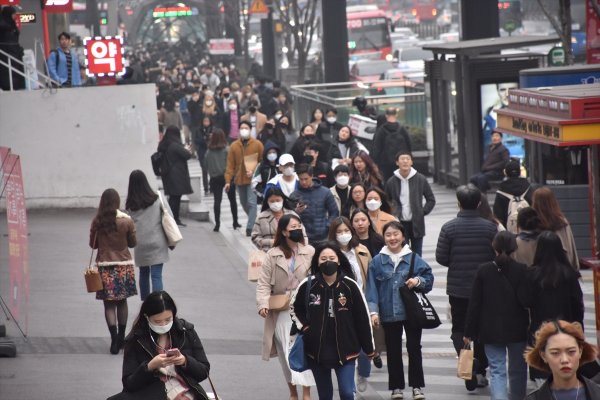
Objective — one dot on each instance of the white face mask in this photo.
(276, 206)
(245, 133)
(278, 115)
(373, 205)
(160, 329)
(344, 238)
(288, 171)
(272, 157)
(233, 107)
(342, 180)
(208, 103)
(331, 120)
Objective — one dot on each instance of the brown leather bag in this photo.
(93, 282)
(279, 302)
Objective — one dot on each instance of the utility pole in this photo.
(335, 41)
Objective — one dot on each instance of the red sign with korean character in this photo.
(9, 2)
(58, 6)
(16, 216)
(104, 56)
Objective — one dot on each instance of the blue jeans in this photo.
(345, 378)
(248, 200)
(154, 272)
(517, 370)
(364, 365)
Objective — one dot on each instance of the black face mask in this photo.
(252, 109)
(328, 268)
(226, 95)
(269, 126)
(296, 235)
(307, 159)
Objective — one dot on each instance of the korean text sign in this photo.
(104, 56)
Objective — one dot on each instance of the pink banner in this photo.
(592, 33)
(16, 216)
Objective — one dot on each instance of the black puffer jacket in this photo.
(464, 243)
(140, 383)
(592, 390)
(352, 321)
(174, 169)
(515, 186)
(389, 139)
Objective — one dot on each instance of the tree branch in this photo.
(555, 24)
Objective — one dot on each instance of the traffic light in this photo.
(103, 17)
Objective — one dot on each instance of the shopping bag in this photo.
(465, 363)
(250, 162)
(169, 225)
(419, 310)
(255, 263)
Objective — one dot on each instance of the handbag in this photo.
(464, 369)
(214, 391)
(255, 262)
(169, 225)
(297, 357)
(93, 282)
(279, 302)
(419, 310)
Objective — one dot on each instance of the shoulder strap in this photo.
(412, 265)
(93, 244)
(509, 196)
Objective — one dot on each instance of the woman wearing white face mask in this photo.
(286, 265)
(273, 208)
(342, 232)
(379, 208)
(163, 354)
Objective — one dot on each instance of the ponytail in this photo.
(504, 244)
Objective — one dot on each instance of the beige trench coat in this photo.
(273, 279)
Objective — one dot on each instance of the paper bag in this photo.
(255, 262)
(465, 364)
(250, 162)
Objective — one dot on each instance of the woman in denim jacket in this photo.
(387, 272)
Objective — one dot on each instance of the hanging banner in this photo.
(16, 217)
(57, 6)
(592, 29)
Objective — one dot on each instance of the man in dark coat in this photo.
(390, 139)
(465, 243)
(515, 185)
(493, 166)
(9, 42)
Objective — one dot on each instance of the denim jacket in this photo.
(385, 279)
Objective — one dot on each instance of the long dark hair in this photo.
(385, 204)
(545, 203)
(172, 135)
(332, 235)
(505, 243)
(550, 263)
(106, 217)
(280, 240)
(139, 193)
(217, 140)
(371, 168)
(375, 238)
(155, 303)
(485, 210)
(344, 266)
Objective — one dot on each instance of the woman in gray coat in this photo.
(144, 206)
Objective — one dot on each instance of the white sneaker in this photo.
(361, 383)
(418, 394)
(397, 394)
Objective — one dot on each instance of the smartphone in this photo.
(172, 352)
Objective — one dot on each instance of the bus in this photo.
(424, 11)
(368, 33)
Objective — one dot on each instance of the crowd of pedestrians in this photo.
(341, 230)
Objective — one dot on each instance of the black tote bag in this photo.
(419, 310)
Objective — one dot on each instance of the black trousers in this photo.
(393, 342)
(217, 183)
(458, 310)
(175, 203)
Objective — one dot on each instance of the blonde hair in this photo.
(547, 330)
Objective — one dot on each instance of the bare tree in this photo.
(239, 31)
(299, 23)
(561, 23)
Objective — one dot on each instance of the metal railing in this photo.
(26, 73)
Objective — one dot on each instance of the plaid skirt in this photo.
(118, 282)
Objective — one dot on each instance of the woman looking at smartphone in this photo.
(163, 354)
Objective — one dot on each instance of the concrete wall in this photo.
(75, 143)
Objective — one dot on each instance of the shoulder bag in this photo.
(419, 310)
(93, 282)
(169, 225)
(297, 357)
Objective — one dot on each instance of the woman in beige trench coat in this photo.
(287, 264)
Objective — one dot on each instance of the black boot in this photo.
(114, 340)
(121, 336)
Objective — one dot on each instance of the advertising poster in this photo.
(16, 216)
(494, 96)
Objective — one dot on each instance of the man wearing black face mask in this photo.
(222, 101)
(322, 171)
(255, 117)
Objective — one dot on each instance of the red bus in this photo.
(368, 33)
